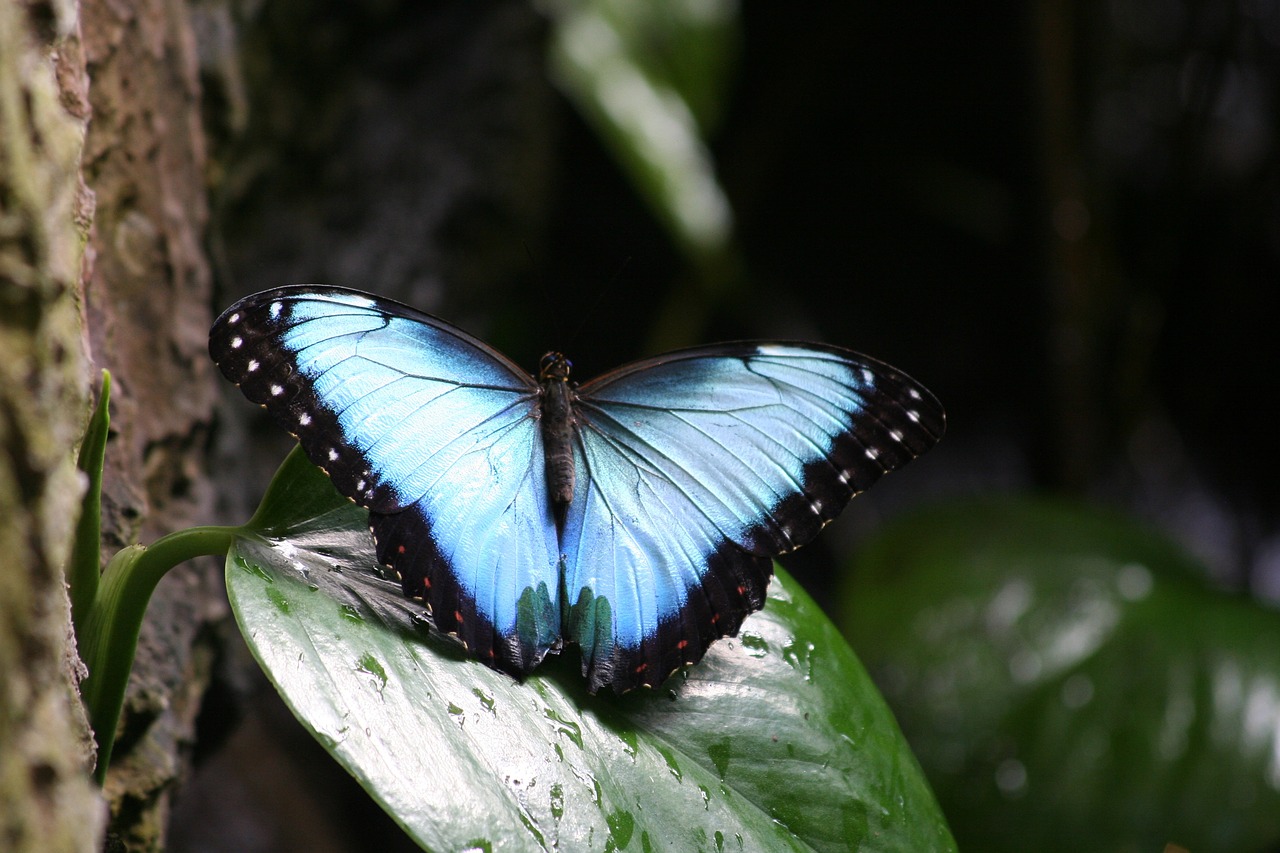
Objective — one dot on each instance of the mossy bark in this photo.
(148, 304)
(101, 265)
(47, 803)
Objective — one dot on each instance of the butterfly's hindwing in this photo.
(434, 433)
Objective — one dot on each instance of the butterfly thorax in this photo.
(557, 426)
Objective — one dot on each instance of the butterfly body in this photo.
(557, 426)
(636, 515)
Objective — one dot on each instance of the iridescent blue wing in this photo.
(696, 468)
(431, 430)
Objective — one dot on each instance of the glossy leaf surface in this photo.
(776, 741)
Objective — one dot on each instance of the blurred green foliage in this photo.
(1068, 681)
(651, 79)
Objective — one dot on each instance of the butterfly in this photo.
(636, 515)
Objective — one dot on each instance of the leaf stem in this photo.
(109, 634)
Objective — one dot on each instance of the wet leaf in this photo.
(777, 741)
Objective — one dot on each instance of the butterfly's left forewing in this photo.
(696, 468)
(431, 430)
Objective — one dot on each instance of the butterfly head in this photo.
(554, 366)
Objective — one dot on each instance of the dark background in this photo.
(1063, 218)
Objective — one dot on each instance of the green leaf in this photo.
(84, 565)
(649, 77)
(777, 741)
(1070, 683)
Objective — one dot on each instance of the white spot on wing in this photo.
(913, 394)
(913, 416)
(868, 377)
(276, 390)
(872, 453)
(252, 365)
(333, 455)
(237, 342)
(234, 318)
(276, 308)
(304, 419)
(896, 435)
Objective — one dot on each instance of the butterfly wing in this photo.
(696, 468)
(431, 430)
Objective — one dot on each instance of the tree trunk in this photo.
(136, 300)
(47, 804)
(148, 298)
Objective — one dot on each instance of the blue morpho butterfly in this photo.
(636, 515)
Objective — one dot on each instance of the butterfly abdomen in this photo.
(557, 427)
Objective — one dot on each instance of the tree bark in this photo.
(47, 803)
(131, 294)
(148, 298)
